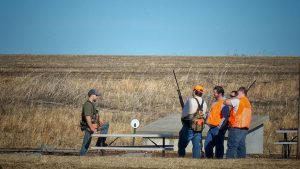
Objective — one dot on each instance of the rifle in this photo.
(251, 85)
(178, 91)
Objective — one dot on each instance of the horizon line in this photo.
(145, 55)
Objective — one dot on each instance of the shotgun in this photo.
(178, 91)
(251, 85)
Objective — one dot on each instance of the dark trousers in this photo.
(186, 135)
(88, 138)
(215, 138)
(236, 145)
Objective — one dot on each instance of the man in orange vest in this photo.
(217, 121)
(239, 123)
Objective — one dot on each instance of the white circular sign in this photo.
(135, 123)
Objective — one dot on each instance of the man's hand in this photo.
(101, 122)
(201, 114)
(94, 128)
(227, 102)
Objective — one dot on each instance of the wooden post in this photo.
(298, 133)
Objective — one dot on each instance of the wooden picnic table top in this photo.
(162, 135)
(287, 131)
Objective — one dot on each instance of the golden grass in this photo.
(41, 96)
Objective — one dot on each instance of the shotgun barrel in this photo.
(178, 91)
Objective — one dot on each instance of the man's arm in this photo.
(228, 102)
(187, 107)
(88, 113)
(205, 112)
(225, 115)
(101, 122)
(89, 122)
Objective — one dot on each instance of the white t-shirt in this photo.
(191, 106)
(235, 104)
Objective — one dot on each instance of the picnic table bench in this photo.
(156, 147)
(286, 142)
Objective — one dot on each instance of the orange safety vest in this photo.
(215, 115)
(242, 118)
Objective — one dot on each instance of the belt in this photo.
(243, 128)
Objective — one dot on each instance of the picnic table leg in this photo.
(288, 150)
(164, 145)
(285, 149)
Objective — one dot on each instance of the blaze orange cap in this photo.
(199, 88)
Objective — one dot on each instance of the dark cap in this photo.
(93, 92)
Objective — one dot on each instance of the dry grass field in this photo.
(41, 96)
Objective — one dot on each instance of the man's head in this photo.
(198, 90)
(218, 92)
(92, 94)
(242, 92)
(233, 94)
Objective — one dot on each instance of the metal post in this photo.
(164, 146)
(133, 139)
(298, 133)
(285, 149)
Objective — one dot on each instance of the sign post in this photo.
(134, 124)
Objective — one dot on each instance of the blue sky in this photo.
(150, 27)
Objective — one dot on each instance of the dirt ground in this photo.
(51, 161)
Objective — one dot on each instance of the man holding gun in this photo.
(195, 106)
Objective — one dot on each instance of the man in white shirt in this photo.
(186, 133)
(191, 106)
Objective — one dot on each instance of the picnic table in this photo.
(156, 147)
(287, 142)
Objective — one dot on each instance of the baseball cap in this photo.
(93, 92)
(199, 88)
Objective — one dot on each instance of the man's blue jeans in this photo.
(215, 138)
(88, 138)
(236, 145)
(186, 135)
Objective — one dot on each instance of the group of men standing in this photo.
(233, 114)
